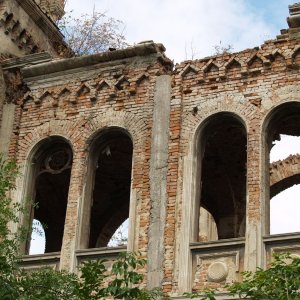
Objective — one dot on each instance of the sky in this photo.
(190, 29)
(285, 207)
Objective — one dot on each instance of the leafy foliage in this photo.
(280, 281)
(8, 241)
(126, 279)
(92, 33)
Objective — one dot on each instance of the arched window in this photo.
(48, 189)
(283, 169)
(221, 183)
(108, 192)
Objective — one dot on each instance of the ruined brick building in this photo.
(182, 152)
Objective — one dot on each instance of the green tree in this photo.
(8, 241)
(281, 281)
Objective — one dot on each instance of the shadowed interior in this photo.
(223, 178)
(111, 194)
(52, 181)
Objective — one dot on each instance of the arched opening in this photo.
(50, 179)
(282, 152)
(222, 186)
(112, 160)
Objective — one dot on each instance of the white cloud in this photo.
(288, 145)
(179, 24)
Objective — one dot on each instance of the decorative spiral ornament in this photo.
(217, 271)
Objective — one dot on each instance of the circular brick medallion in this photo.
(217, 271)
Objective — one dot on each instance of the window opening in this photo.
(284, 206)
(283, 140)
(51, 175)
(111, 194)
(223, 178)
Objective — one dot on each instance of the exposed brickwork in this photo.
(284, 173)
(79, 98)
(78, 110)
(245, 84)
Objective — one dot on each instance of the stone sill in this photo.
(32, 262)
(285, 237)
(219, 296)
(99, 252)
(218, 244)
(45, 256)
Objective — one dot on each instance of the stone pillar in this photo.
(71, 229)
(158, 179)
(256, 206)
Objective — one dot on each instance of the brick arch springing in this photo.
(284, 174)
(193, 123)
(74, 132)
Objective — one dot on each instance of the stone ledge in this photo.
(219, 296)
(32, 59)
(36, 261)
(218, 244)
(98, 252)
(285, 237)
(56, 66)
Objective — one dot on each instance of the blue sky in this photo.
(194, 26)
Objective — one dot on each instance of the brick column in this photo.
(255, 221)
(71, 229)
